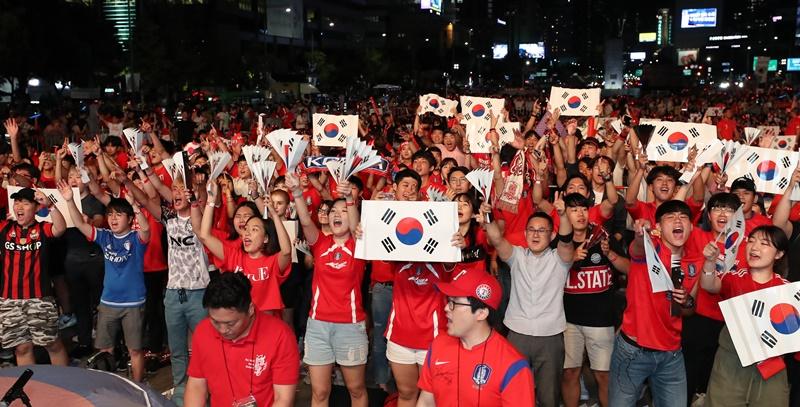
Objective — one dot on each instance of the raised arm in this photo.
(144, 225)
(310, 229)
(211, 242)
(59, 225)
(784, 208)
(709, 281)
(565, 248)
(13, 133)
(77, 218)
(495, 235)
(284, 240)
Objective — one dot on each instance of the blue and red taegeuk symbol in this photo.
(766, 170)
(677, 141)
(782, 143)
(731, 240)
(409, 231)
(331, 130)
(784, 318)
(478, 110)
(434, 103)
(574, 102)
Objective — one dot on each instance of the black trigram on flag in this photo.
(797, 296)
(583, 108)
(786, 162)
(430, 216)
(749, 176)
(321, 121)
(319, 137)
(584, 95)
(769, 339)
(489, 104)
(783, 183)
(388, 244)
(342, 137)
(564, 95)
(655, 269)
(693, 131)
(388, 216)
(563, 108)
(752, 158)
(661, 150)
(469, 103)
(52, 198)
(662, 131)
(503, 130)
(430, 245)
(758, 308)
(343, 123)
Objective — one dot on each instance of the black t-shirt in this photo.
(77, 246)
(589, 292)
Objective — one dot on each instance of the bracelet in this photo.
(211, 204)
(297, 195)
(349, 203)
(565, 238)
(708, 273)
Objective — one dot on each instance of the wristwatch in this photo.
(689, 302)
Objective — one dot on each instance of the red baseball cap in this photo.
(473, 283)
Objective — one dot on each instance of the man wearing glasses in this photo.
(473, 365)
(535, 314)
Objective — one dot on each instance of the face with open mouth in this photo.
(118, 222)
(746, 197)
(719, 217)
(675, 228)
(179, 200)
(579, 217)
(340, 224)
(240, 218)
(538, 234)
(761, 253)
(254, 236)
(664, 188)
(25, 211)
(464, 211)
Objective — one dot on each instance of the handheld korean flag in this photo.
(437, 105)
(179, 162)
(332, 130)
(262, 172)
(135, 140)
(413, 231)
(260, 128)
(660, 279)
(575, 102)
(289, 145)
(435, 195)
(475, 108)
(478, 137)
(769, 169)
(770, 130)
(784, 143)
(764, 323)
(76, 149)
(336, 168)
(734, 234)
(671, 141)
(751, 134)
(730, 153)
(255, 154)
(219, 160)
(43, 215)
(358, 157)
(707, 154)
(506, 132)
(482, 179)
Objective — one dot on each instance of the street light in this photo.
(331, 24)
(288, 9)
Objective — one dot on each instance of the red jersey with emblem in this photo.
(163, 174)
(336, 286)
(707, 304)
(267, 356)
(25, 270)
(755, 221)
(740, 282)
(262, 272)
(492, 373)
(648, 316)
(417, 305)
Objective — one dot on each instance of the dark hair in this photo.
(777, 238)
(119, 205)
(460, 168)
(724, 200)
(447, 160)
(113, 141)
(663, 170)
(542, 215)
(426, 155)
(743, 183)
(229, 290)
(272, 246)
(233, 234)
(168, 146)
(476, 305)
(434, 149)
(605, 158)
(408, 173)
(588, 161)
(575, 200)
(30, 168)
(673, 206)
(583, 179)
(357, 182)
(588, 140)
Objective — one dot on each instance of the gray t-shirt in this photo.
(187, 261)
(536, 306)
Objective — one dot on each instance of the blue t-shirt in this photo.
(123, 283)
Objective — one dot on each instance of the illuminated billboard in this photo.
(432, 5)
(499, 51)
(532, 50)
(698, 17)
(647, 37)
(793, 64)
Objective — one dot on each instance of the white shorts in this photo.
(405, 356)
(598, 342)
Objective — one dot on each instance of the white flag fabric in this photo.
(770, 169)
(477, 109)
(671, 141)
(481, 179)
(784, 143)
(358, 157)
(437, 105)
(714, 111)
(76, 149)
(478, 137)
(408, 231)
(770, 130)
(505, 131)
(751, 134)
(764, 323)
(289, 146)
(55, 197)
(734, 234)
(331, 130)
(660, 279)
(135, 140)
(179, 163)
(218, 160)
(291, 230)
(258, 160)
(575, 102)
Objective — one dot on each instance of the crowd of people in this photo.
(245, 292)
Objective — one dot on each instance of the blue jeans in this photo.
(381, 308)
(181, 318)
(631, 366)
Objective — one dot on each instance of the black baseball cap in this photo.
(744, 183)
(27, 194)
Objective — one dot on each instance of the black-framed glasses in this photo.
(452, 304)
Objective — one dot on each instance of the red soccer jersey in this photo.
(648, 316)
(336, 286)
(154, 257)
(267, 356)
(515, 223)
(313, 200)
(382, 272)
(25, 256)
(492, 373)
(707, 303)
(755, 221)
(740, 282)
(417, 306)
(262, 272)
(647, 210)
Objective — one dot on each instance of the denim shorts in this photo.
(328, 342)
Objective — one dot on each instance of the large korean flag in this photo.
(477, 109)
(408, 231)
(671, 141)
(575, 102)
(331, 130)
(437, 105)
(770, 169)
(764, 323)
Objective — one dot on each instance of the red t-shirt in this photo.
(336, 286)
(741, 282)
(515, 223)
(755, 221)
(154, 257)
(262, 272)
(707, 304)
(382, 272)
(647, 210)
(163, 174)
(794, 213)
(726, 128)
(417, 305)
(122, 160)
(313, 201)
(267, 355)
(648, 316)
(492, 373)
(793, 127)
